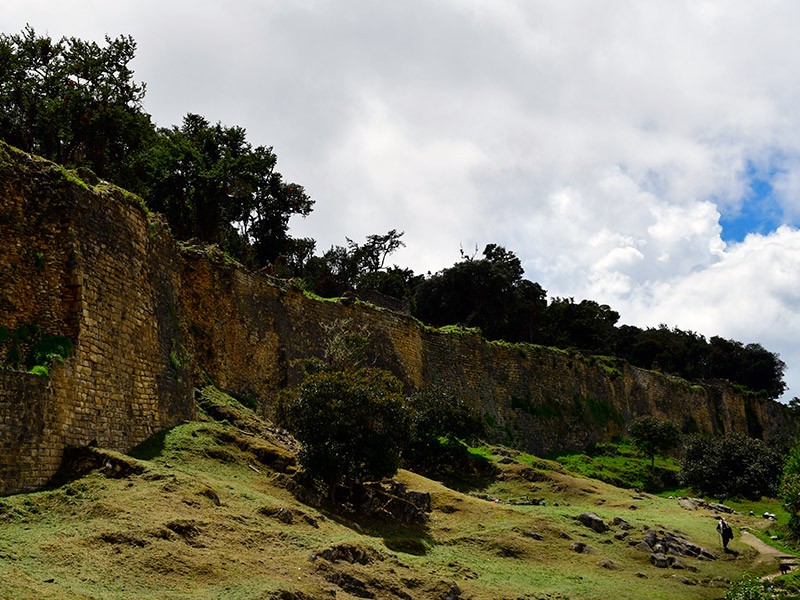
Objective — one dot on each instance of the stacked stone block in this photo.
(150, 320)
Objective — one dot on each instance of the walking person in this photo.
(725, 532)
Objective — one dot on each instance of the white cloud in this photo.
(600, 141)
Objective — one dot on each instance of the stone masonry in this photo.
(151, 319)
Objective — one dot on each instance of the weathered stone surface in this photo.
(687, 503)
(675, 562)
(650, 538)
(351, 553)
(582, 548)
(394, 501)
(659, 560)
(148, 316)
(592, 521)
(621, 523)
(607, 563)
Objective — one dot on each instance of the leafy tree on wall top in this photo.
(215, 187)
(585, 325)
(484, 293)
(73, 102)
(359, 267)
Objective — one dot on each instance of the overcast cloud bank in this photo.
(605, 143)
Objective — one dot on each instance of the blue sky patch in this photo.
(760, 212)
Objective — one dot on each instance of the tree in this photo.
(74, 102)
(359, 267)
(475, 293)
(214, 186)
(652, 435)
(351, 425)
(729, 467)
(350, 419)
(790, 487)
(585, 325)
(441, 418)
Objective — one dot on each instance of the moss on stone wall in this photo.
(150, 318)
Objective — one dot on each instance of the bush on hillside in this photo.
(730, 467)
(440, 422)
(351, 424)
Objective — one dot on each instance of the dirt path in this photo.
(766, 553)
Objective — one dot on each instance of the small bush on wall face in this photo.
(38, 349)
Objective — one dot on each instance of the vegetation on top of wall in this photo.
(123, 195)
(458, 330)
(212, 185)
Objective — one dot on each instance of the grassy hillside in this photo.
(204, 510)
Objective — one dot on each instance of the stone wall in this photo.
(151, 319)
(87, 264)
(251, 336)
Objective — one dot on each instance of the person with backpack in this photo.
(725, 532)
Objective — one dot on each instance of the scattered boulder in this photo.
(593, 522)
(350, 584)
(455, 592)
(350, 553)
(720, 507)
(621, 523)
(284, 515)
(211, 495)
(650, 538)
(607, 564)
(582, 548)
(80, 460)
(659, 560)
(311, 521)
(687, 503)
(675, 562)
(394, 501)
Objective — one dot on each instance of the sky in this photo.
(645, 155)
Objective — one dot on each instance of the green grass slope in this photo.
(204, 510)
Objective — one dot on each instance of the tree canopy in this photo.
(351, 425)
(730, 467)
(214, 186)
(73, 102)
(651, 435)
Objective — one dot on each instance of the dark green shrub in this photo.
(352, 425)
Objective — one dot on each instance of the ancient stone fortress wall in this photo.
(150, 320)
(87, 264)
